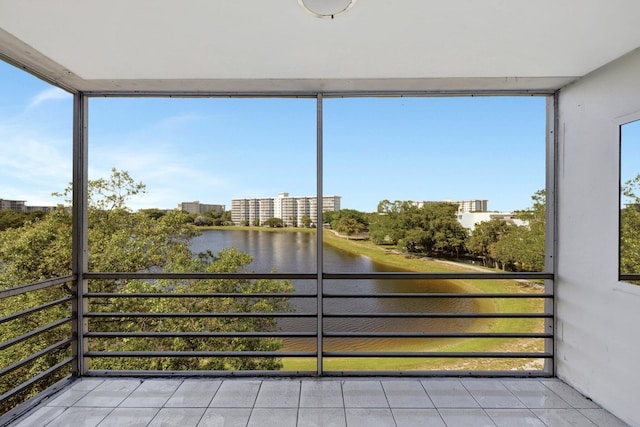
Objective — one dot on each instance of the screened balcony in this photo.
(576, 333)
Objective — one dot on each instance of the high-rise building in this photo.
(199, 208)
(291, 210)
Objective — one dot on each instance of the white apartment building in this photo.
(469, 220)
(290, 209)
(199, 208)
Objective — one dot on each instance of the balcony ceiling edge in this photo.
(25, 57)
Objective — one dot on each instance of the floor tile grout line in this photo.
(472, 396)
(527, 406)
(384, 391)
(299, 398)
(344, 404)
(105, 417)
(215, 393)
(427, 392)
(255, 400)
(432, 402)
(516, 396)
(562, 398)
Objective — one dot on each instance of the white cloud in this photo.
(50, 94)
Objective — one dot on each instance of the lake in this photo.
(295, 252)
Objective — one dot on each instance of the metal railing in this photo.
(37, 339)
(300, 322)
(250, 339)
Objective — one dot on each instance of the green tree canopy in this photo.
(523, 248)
(431, 229)
(273, 222)
(630, 228)
(485, 237)
(13, 219)
(123, 241)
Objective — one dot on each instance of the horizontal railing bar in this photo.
(436, 276)
(199, 314)
(35, 379)
(630, 277)
(34, 356)
(326, 295)
(35, 309)
(31, 287)
(203, 373)
(436, 355)
(444, 315)
(436, 335)
(200, 354)
(199, 276)
(446, 373)
(33, 333)
(199, 295)
(313, 334)
(198, 334)
(342, 315)
(313, 276)
(434, 295)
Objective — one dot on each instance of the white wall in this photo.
(598, 317)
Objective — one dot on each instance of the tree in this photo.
(123, 241)
(385, 227)
(202, 221)
(273, 222)
(13, 219)
(523, 248)
(431, 229)
(348, 226)
(154, 213)
(630, 228)
(218, 218)
(484, 238)
(306, 221)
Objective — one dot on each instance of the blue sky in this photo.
(216, 149)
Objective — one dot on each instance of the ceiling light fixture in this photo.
(326, 8)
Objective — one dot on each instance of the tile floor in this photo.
(371, 402)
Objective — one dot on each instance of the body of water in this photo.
(293, 252)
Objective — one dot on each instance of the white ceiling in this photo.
(273, 45)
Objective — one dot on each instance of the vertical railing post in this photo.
(319, 231)
(79, 228)
(550, 232)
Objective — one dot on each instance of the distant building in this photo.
(20, 205)
(463, 205)
(289, 209)
(469, 220)
(199, 208)
(13, 205)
